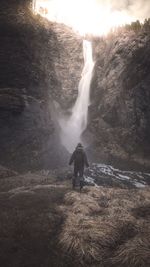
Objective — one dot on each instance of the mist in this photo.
(96, 17)
(139, 9)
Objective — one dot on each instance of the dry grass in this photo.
(136, 251)
(101, 227)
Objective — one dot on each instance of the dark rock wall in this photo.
(36, 64)
(68, 64)
(120, 93)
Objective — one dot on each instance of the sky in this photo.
(95, 16)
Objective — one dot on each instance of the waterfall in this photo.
(73, 126)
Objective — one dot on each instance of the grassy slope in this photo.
(44, 223)
(107, 227)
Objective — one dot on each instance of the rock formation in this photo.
(120, 93)
(40, 64)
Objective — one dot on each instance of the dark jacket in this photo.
(79, 158)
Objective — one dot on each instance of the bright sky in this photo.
(86, 16)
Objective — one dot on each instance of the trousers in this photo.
(78, 172)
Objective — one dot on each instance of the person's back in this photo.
(79, 157)
(80, 160)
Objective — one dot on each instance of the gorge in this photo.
(42, 63)
(57, 88)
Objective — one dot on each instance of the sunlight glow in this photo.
(87, 17)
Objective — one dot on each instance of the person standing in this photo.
(79, 159)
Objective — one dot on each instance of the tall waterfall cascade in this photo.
(73, 126)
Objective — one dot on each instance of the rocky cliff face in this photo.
(120, 112)
(42, 62)
(36, 69)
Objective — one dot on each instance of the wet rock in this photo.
(109, 176)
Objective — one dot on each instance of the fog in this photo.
(93, 16)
